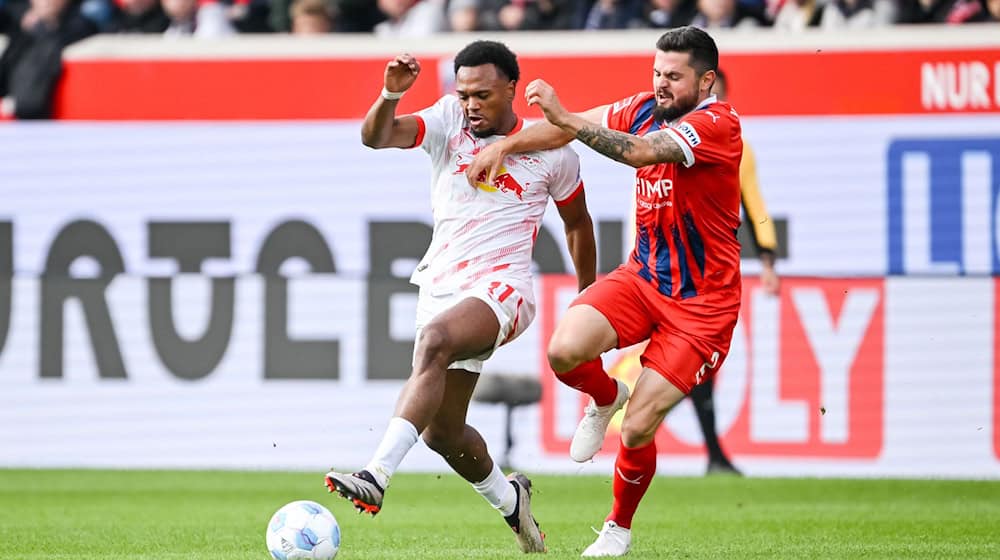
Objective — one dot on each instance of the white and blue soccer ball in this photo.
(303, 530)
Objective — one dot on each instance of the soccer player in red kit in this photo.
(681, 285)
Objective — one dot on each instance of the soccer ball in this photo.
(303, 530)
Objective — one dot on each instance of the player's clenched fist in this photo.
(401, 72)
(540, 93)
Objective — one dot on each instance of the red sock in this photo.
(634, 470)
(590, 378)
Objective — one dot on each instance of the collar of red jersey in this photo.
(708, 101)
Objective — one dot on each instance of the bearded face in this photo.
(676, 85)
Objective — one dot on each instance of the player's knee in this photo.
(637, 432)
(433, 345)
(563, 355)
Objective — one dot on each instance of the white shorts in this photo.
(514, 308)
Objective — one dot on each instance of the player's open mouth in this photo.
(475, 120)
(663, 98)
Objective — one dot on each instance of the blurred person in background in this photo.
(727, 14)
(30, 66)
(609, 14)
(761, 225)
(138, 16)
(991, 12)
(411, 18)
(941, 11)
(798, 15)
(463, 15)
(667, 14)
(246, 16)
(358, 16)
(512, 15)
(196, 18)
(766, 241)
(476, 285)
(857, 14)
(312, 17)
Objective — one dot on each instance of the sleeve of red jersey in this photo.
(622, 113)
(707, 136)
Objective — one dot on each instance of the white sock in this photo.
(399, 437)
(498, 491)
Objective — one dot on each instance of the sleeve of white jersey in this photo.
(564, 180)
(435, 122)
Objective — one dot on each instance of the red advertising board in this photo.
(814, 82)
(810, 363)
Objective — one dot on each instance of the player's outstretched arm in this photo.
(381, 128)
(543, 135)
(637, 151)
(580, 239)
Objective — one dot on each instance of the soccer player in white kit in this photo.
(475, 279)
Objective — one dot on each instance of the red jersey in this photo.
(687, 214)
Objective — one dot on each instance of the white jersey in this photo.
(488, 232)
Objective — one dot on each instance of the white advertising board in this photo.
(149, 322)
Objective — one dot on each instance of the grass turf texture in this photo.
(223, 515)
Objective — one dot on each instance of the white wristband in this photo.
(391, 95)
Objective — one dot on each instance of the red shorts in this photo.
(688, 338)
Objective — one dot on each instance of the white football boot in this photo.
(529, 537)
(589, 435)
(612, 540)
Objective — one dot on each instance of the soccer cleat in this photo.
(612, 540)
(360, 488)
(529, 536)
(589, 435)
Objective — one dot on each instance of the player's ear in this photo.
(708, 80)
(511, 90)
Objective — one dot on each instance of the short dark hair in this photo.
(694, 41)
(478, 53)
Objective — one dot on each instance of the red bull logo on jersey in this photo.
(504, 182)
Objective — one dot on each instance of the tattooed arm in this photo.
(629, 149)
(637, 151)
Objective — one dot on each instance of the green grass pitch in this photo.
(90, 514)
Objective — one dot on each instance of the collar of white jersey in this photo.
(517, 127)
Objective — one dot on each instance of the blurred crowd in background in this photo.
(37, 30)
(412, 18)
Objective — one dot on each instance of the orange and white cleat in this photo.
(360, 488)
